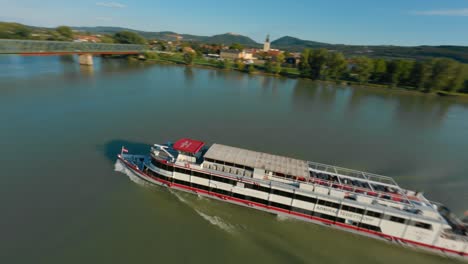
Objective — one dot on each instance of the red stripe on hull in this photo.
(250, 203)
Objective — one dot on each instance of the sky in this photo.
(367, 22)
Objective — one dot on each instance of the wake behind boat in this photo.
(359, 202)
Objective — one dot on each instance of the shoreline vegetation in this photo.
(285, 72)
(434, 75)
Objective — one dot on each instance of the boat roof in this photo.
(254, 159)
(188, 145)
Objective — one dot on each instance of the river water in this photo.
(61, 125)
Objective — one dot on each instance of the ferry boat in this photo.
(355, 201)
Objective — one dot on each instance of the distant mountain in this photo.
(297, 44)
(227, 39)
(230, 38)
(289, 43)
(459, 53)
(166, 35)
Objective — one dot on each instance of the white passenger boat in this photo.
(355, 201)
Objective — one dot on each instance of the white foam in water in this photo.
(281, 217)
(217, 221)
(214, 220)
(178, 196)
(119, 167)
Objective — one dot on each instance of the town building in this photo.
(84, 38)
(236, 55)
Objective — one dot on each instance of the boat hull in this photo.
(134, 168)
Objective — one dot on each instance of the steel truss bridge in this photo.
(38, 47)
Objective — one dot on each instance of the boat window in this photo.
(258, 200)
(328, 203)
(395, 219)
(280, 205)
(182, 182)
(220, 191)
(180, 170)
(325, 216)
(257, 187)
(201, 175)
(305, 198)
(282, 193)
(352, 209)
(155, 163)
(302, 211)
(224, 180)
(374, 214)
(239, 196)
(370, 227)
(421, 225)
(167, 167)
(199, 186)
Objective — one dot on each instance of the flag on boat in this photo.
(124, 150)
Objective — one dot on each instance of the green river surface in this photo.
(62, 125)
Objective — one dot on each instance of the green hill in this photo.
(459, 53)
(227, 38)
(230, 38)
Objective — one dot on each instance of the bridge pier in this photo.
(86, 59)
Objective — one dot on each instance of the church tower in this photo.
(266, 45)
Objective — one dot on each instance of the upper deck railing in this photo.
(12, 46)
(397, 194)
(354, 173)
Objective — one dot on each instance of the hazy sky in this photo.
(400, 22)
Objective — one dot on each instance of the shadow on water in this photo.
(113, 147)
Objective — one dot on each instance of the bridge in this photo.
(85, 50)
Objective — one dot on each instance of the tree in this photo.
(127, 37)
(336, 65)
(362, 69)
(443, 72)
(251, 68)
(65, 32)
(276, 68)
(107, 39)
(318, 63)
(304, 66)
(224, 64)
(380, 68)
(465, 87)
(188, 57)
(420, 74)
(240, 65)
(236, 46)
(268, 65)
(151, 55)
(456, 78)
(22, 32)
(398, 72)
(279, 58)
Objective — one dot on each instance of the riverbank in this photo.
(294, 73)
